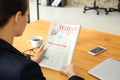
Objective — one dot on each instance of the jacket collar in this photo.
(6, 46)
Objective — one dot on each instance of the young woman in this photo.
(13, 64)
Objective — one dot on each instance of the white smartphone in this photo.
(97, 50)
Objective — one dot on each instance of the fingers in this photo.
(41, 52)
(64, 73)
(70, 71)
(39, 55)
(41, 48)
(71, 65)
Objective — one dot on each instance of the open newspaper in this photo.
(60, 44)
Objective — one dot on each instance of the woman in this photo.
(13, 64)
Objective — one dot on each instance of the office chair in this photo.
(113, 9)
(95, 7)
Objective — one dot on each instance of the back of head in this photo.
(8, 8)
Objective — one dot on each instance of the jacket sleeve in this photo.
(75, 78)
(31, 71)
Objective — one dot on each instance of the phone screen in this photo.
(97, 50)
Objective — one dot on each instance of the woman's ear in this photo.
(18, 16)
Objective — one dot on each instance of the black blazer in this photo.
(15, 66)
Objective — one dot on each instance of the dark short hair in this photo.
(8, 8)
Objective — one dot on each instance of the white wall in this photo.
(74, 15)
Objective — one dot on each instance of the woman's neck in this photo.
(7, 38)
(6, 35)
(7, 32)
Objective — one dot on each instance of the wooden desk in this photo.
(82, 60)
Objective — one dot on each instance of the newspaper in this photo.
(60, 44)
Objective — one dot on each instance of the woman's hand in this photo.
(38, 56)
(70, 71)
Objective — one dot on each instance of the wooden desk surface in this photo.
(87, 40)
